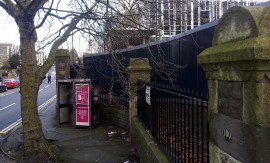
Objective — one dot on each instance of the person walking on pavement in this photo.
(49, 78)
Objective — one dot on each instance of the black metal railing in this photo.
(109, 98)
(177, 120)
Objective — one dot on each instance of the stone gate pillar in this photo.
(237, 68)
(62, 68)
(138, 69)
(62, 63)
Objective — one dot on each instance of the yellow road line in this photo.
(19, 121)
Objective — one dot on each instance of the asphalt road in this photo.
(10, 103)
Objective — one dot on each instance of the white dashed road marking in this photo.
(19, 121)
(7, 106)
(5, 94)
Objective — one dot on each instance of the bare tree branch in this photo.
(63, 11)
(45, 17)
(9, 7)
(36, 4)
(48, 63)
(53, 37)
(20, 5)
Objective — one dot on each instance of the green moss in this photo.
(240, 23)
(139, 64)
(212, 87)
(244, 50)
(262, 104)
(242, 34)
(236, 24)
(62, 52)
(218, 155)
(241, 50)
(147, 149)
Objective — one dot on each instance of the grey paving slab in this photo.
(79, 145)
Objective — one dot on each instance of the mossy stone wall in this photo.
(147, 149)
(116, 117)
(237, 68)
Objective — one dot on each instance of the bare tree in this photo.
(25, 13)
(93, 20)
(86, 17)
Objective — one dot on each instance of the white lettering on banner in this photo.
(82, 113)
(147, 95)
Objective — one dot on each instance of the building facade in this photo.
(41, 58)
(94, 46)
(175, 16)
(5, 53)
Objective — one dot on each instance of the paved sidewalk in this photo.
(108, 144)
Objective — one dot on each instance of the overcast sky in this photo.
(9, 34)
(8, 29)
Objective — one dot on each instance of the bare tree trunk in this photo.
(35, 144)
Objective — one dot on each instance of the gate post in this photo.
(62, 68)
(62, 64)
(138, 69)
(237, 68)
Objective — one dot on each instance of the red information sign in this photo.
(82, 94)
(82, 115)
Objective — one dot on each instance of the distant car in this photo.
(3, 87)
(11, 83)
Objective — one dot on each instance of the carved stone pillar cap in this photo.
(136, 64)
(62, 52)
(242, 34)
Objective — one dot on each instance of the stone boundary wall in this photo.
(147, 149)
(114, 116)
(145, 146)
(238, 73)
